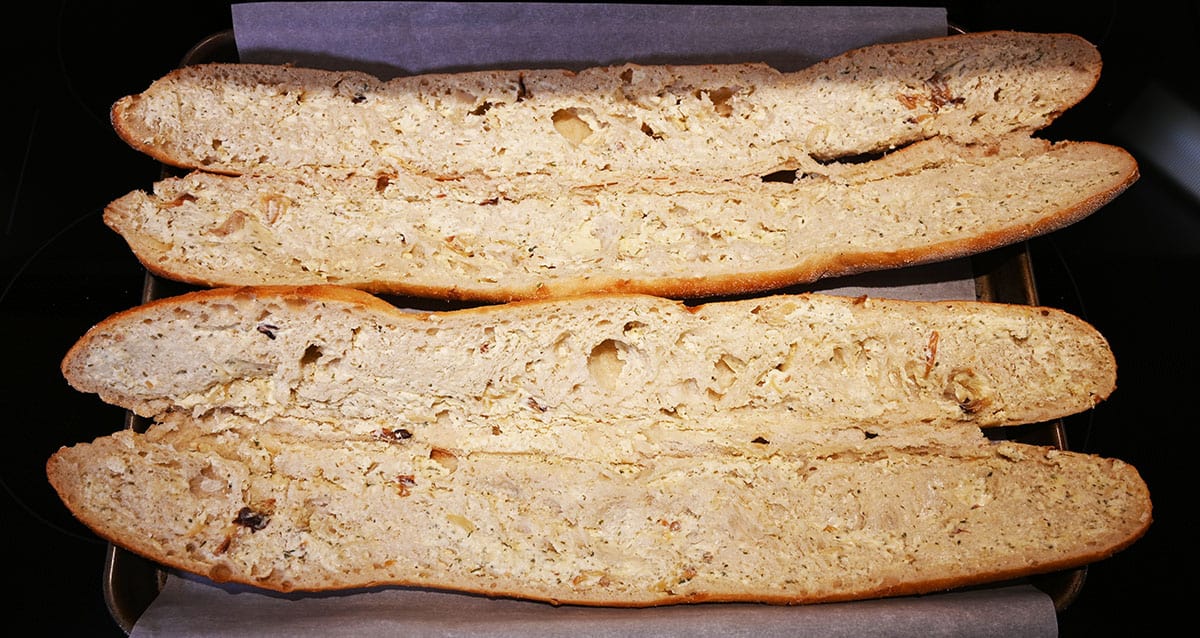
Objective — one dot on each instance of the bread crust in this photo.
(480, 240)
(649, 175)
(644, 496)
(593, 443)
(250, 556)
(816, 363)
(737, 120)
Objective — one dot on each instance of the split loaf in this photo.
(560, 375)
(599, 450)
(678, 181)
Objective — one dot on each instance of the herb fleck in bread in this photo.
(603, 450)
(725, 120)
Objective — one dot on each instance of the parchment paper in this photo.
(393, 38)
(192, 607)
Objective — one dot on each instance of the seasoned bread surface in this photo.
(280, 512)
(590, 444)
(599, 450)
(538, 236)
(677, 181)
(726, 120)
(577, 376)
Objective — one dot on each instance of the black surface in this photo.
(1129, 269)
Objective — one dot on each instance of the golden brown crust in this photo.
(178, 240)
(1074, 71)
(1070, 548)
(198, 433)
(578, 313)
(912, 74)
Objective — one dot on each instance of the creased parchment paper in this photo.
(189, 607)
(395, 38)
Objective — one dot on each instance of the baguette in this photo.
(536, 236)
(730, 121)
(287, 514)
(677, 181)
(578, 376)
(600, 450)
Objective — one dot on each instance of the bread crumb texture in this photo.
(581, 376)
(731, 120)
(679, 181)
(601, 450)
(269, 508)
(539, 236)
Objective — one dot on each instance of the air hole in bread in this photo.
(788, 177)
(311, 354)
(489, 339)
(605, 363)
(207, 483)
(725, 371)
(179, 201)
(568, 124)
(862, 158)
(969, 390)
(720, 99)
(632, 326)
(445, 458)
(786, 364)
(274, 207)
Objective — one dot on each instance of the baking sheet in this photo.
(389, 38)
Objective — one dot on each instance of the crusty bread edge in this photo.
(298, 294)
(370, 302)
(120, 122)
(101, 528)
(808, 272)
(120, 107)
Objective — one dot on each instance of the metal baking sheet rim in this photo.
(131, 582)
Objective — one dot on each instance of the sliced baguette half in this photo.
(250, 505)
(728, 120)
(537, 236)
(599, 375)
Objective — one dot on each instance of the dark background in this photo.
(1128, 269)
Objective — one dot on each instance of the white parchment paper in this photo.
(193, 607)
(394, 38)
